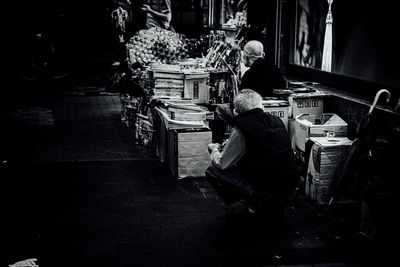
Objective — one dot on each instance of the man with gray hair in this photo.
(255, 169)
(261, 77)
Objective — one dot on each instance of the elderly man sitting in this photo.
(261, 77)
(255, 167)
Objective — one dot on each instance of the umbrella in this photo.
(350, 178)
(370, 174)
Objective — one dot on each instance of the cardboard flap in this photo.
(335, 120)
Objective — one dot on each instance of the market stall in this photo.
(177, 82)
(180, 81)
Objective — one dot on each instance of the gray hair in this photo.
(246, 100)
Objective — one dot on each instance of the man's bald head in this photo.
(252, 51)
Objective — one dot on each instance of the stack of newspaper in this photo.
(183, 113)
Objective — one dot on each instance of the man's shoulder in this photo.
(263, 63)
(260, 66)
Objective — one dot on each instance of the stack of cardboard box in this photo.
(183, 138)
(328, 124)
(326, 158)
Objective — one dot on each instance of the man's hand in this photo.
(224, 143)
(213, 146)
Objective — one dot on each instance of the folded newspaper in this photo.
(178, 124)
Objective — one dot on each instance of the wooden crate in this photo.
(187, 151)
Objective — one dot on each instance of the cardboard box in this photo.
(329, 124)
(188, 152)
(306, 103)
(279, 108)
(292, 132)
(163, 124)
(326, 159)
(196, 87)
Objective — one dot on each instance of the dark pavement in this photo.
(77, 191)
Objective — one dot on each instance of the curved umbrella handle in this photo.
(377, 98)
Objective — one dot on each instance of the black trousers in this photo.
(226, 183)
(231, 187)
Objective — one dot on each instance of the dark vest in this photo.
(262, 77)
(269, 163)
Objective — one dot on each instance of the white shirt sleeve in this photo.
(232, 152)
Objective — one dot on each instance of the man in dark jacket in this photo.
(261, 77)
(256, 167)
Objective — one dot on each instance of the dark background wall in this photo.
(370, 47)
(81, 27)
(84, 26)
(74, 26)
(261, 17)
(187, 17)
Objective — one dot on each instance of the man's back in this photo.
(268, 163)
(263, 77)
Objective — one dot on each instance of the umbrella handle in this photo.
(377, 98)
